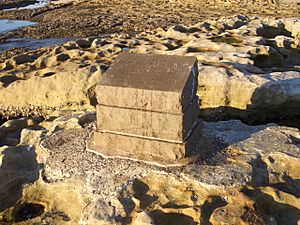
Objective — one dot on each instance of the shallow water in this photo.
(7, 25)
(32, 43)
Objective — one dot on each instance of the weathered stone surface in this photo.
(244, 168)
(64, 87)
(231, 50)
(269, 95)
(152, 150)
(146, 123)
(149, 82)
(288, 1)
(247, 175)
(18, 166)
(146, 110)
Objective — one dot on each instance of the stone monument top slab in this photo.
(150, 72)
(161, 83)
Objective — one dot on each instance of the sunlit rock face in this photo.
(247, 66)
(246, 174)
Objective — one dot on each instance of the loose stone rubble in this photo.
(148, 103)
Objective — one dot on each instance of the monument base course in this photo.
(147, 123)
(164, 152)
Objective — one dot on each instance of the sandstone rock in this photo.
(142, 219)
(218, 87)
(18, 166)
(282, 95)
(10, 130)
(177, 34)
(293, 26)
(30, 136)
(267, 93)
(244, 174)
(60, 90)
(284, 42)
(246, 47)
(243, 167)
(288, 1)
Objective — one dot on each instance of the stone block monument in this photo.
(148, 109)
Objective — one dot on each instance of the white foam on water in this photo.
(38, 4)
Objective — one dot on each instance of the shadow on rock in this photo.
(291, 186)
(268, 31)
(18, 166)
(270, 209)
(209, 206)
(274, 102)
(140, 192)
(162, 218)
(260, 173)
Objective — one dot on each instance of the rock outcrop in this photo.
(249, 69)
(246, 174)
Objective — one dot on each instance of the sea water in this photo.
(8, 25)
(32, 43)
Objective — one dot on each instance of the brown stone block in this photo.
(151, 150)
(158, 83)
(146, 123)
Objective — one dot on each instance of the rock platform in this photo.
(248, 174)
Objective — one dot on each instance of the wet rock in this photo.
(62, 57)
(84, 43)
(7, 4)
